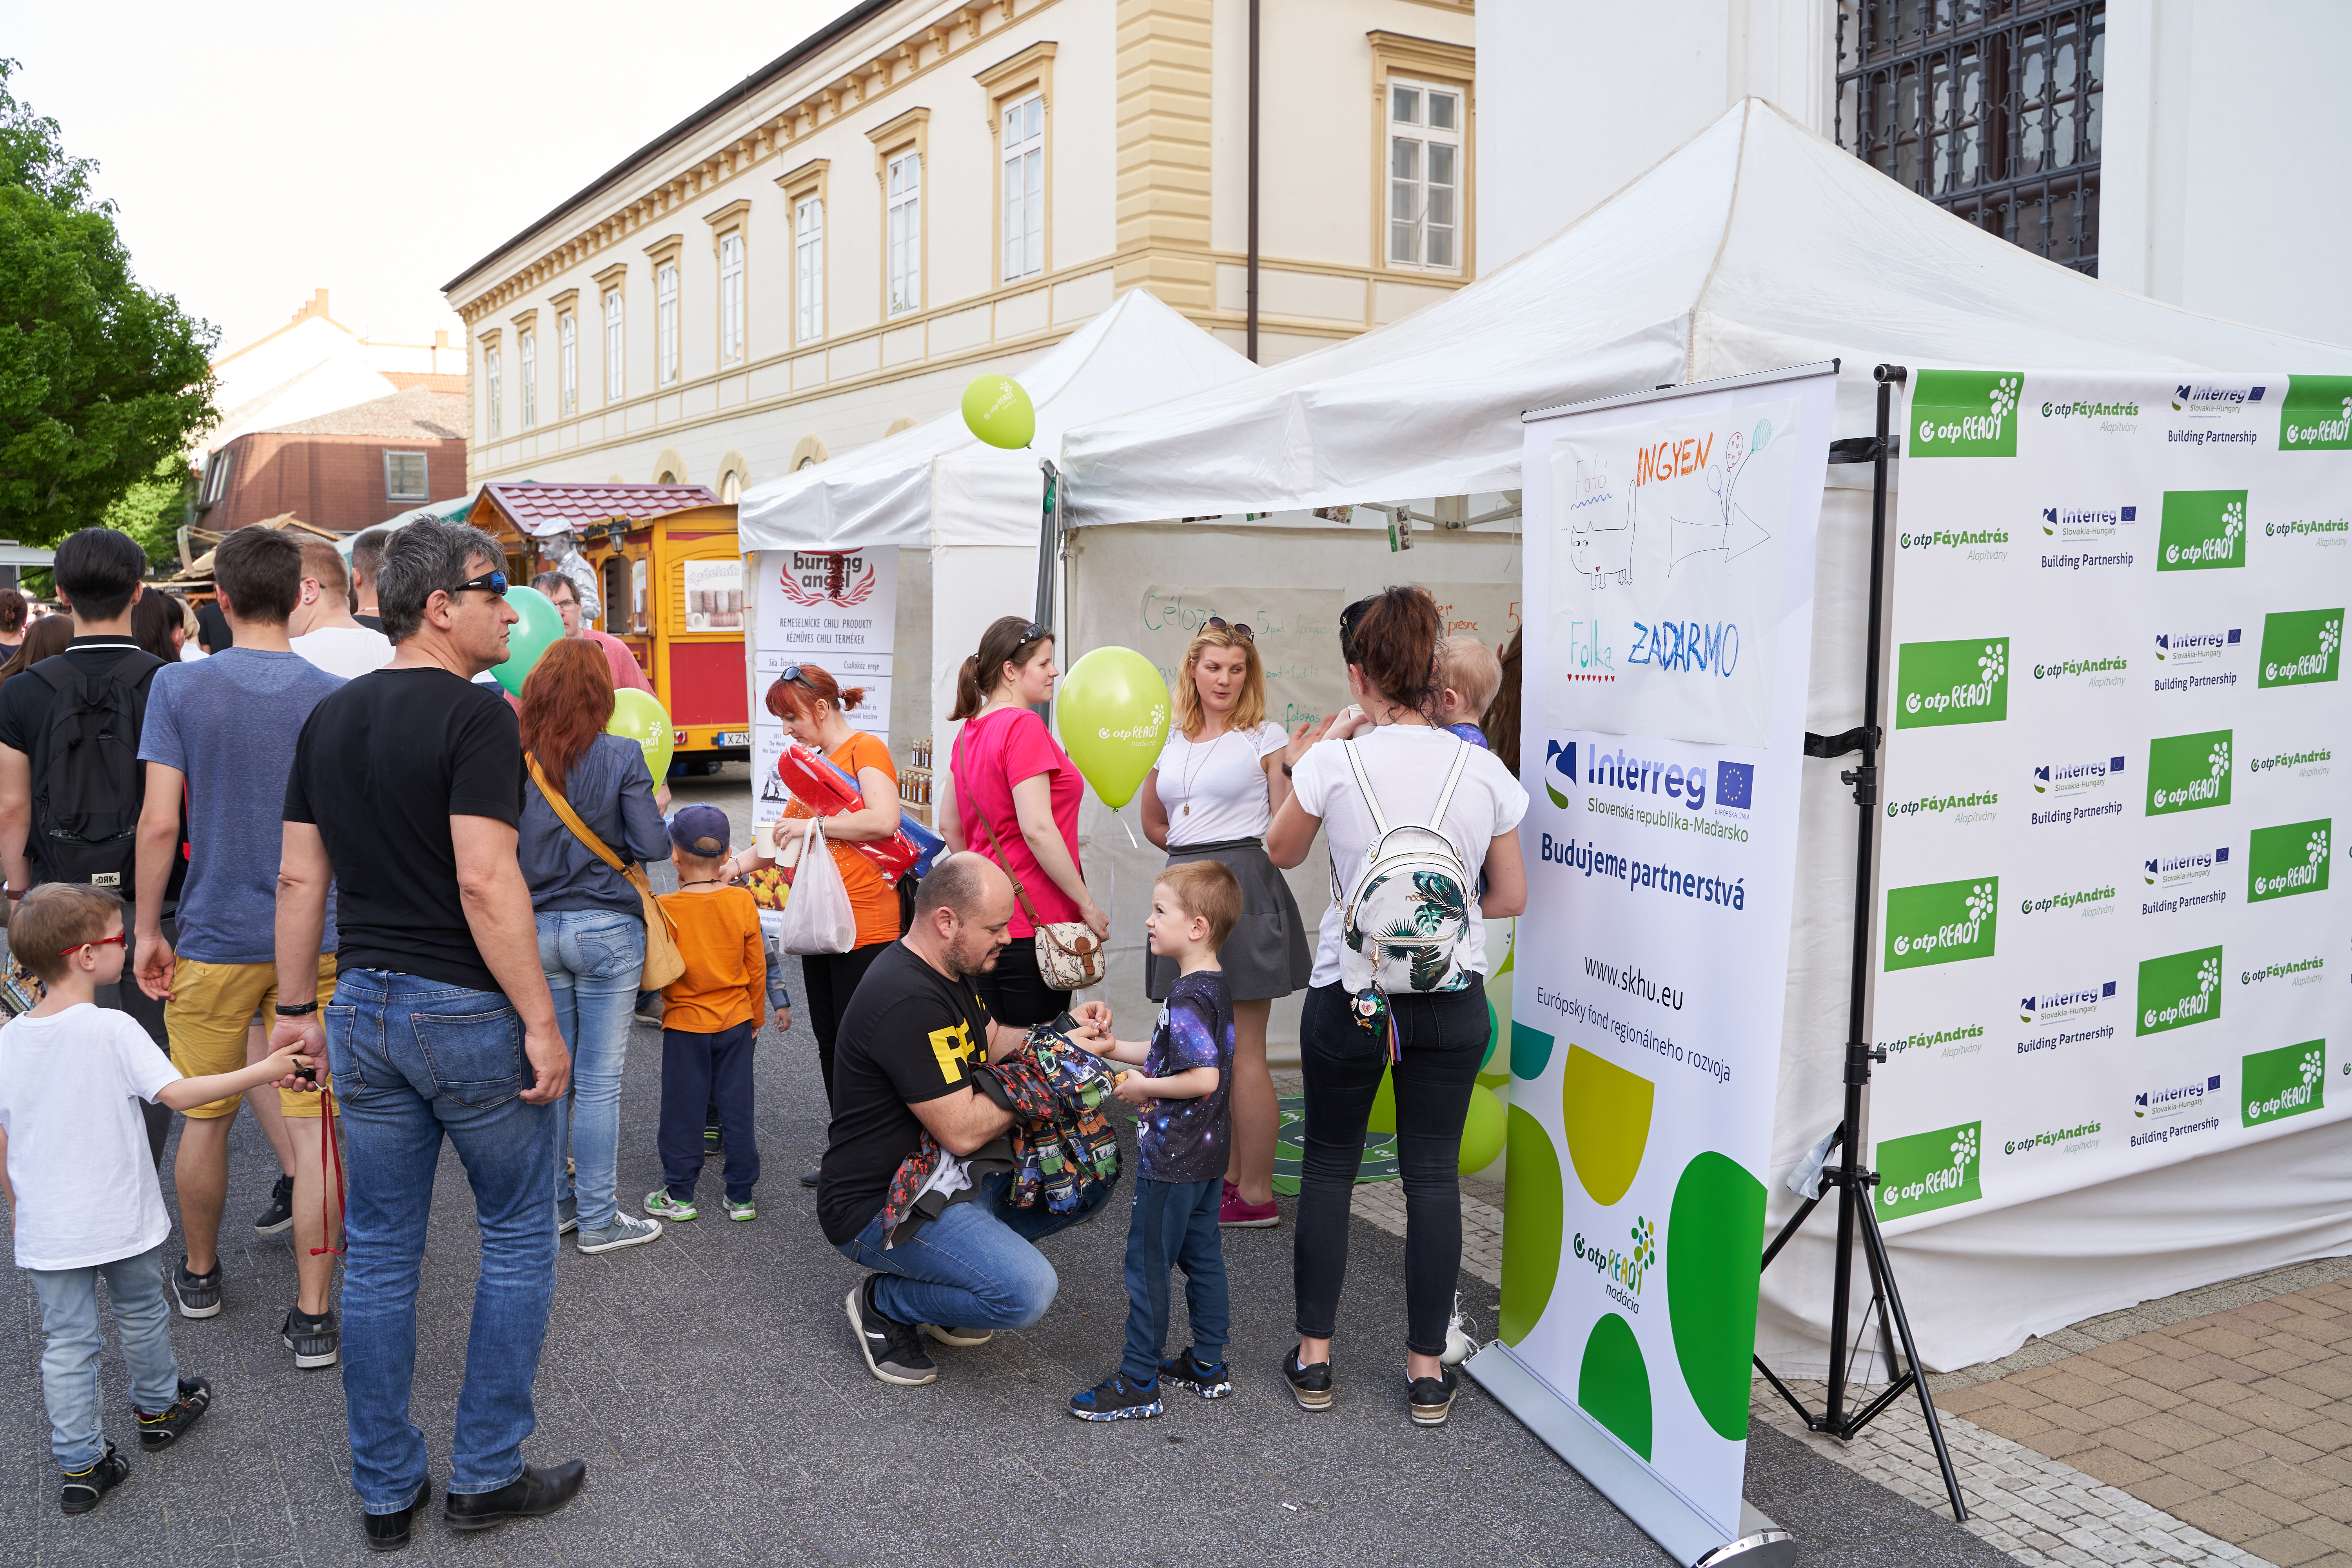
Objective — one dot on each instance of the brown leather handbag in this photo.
(664, 961)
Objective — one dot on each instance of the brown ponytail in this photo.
(1396, 647)
(1007, 640)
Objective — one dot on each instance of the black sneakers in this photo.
(893, 1352)
(315, 1341)
(1187, 1372)
(82, 1488)
(1432, 1398)
(1116, 1399)
(160, 1430)
(279, 1214)
(534, 1494)
(199, 1295)
(1310, 1385)
(389, 1532)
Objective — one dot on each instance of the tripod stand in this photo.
(1853, 1184)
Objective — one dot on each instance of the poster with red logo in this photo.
(836, 610)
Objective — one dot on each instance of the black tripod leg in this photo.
(1883, 1269)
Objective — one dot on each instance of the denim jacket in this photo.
(614, 794)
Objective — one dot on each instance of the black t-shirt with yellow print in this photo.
(910, 1035)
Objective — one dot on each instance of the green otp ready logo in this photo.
(2287, 1081)
(2317, 415)
(1941, 922)
(2178, 990)
(2202, 530)
(1965, 414)
(1961, 682)
(1929, 1170)
(2288, 859)
(2299, 647)
(2188, 772)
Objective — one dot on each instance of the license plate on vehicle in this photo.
(734, 738)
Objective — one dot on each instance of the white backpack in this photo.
(1406, 917)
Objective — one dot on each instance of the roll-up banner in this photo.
(837, 609)
(1669, 586)
(2109, 938)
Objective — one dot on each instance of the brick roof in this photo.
(419, 414)
(534, 507)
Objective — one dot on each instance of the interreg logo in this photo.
(2188, 772)
(2191, 865)
(2202, 530)
(2318, 413)
(2072, 778)
(1686, 782)
(2178, 1097)
(2299, 647)
(1965, 414)
(1962, 682)
(2288, 859)
(2188, 648)
(2181, 989)
(2096, 520)
(1929, 1170)
(2192, 399)
(2051, 1006)
(1941, 922)
(2285, 1082)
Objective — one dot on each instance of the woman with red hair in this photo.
(592, 926)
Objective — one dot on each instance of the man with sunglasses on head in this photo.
(406, 793)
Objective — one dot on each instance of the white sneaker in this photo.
(626, 1231)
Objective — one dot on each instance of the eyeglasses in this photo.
(114, 940)
(1239, 628)
(489, 582)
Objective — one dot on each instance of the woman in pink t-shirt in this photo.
(1014, 796)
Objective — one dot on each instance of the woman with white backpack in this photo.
(1424, 842)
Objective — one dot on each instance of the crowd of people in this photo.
(368, 894)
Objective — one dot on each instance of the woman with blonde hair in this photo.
(1212, 794)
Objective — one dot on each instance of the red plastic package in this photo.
(817, 783)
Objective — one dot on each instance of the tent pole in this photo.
(1249, 284)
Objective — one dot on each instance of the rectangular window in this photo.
(491, 390)
(904, 227)
(216, 478)
(1025, 187)
(1424, 174)
(404, 477)
(613, 380)
(665, 320)
(527, 352)
(808, 269)
(730, 299)
(567, 355)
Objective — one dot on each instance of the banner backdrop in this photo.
(2109, 940)
(835, 609)
(1669, 591)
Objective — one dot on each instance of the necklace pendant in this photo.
(1188, 808)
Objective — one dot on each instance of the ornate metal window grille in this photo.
(1987, 107)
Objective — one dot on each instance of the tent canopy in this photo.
(1755, 246)
(1137, 352)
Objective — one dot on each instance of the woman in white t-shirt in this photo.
(1211, 798)
(1389, 642)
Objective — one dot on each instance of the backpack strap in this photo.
(1364, 783)
(1453, 777)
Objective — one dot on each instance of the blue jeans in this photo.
(974, 1266)
(1174, 1226)
(135, 1289)
(592, 959)
(416, 1059)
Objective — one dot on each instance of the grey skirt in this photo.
(1270, 953)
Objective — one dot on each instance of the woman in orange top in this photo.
(810, 703)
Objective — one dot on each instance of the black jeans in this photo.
(1015, 992)
(831, 980)
(1442, 1037)
(698, 1070)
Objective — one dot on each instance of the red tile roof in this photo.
(584, 506)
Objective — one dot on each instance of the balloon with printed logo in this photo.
(1113, 714)
(996, 410)
(541, 629)
(1483, 1131)
(640, 716)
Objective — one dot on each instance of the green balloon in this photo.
(1483, 1131)
(996, 410)
(640, 716)
(541, 629)
(1113, 713)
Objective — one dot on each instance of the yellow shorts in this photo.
(211, 1007)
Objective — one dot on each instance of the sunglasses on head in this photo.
(1348, 619)
(1033, 632)
(489, 582)
(792, 672)
(114, 940)
(1238, 628)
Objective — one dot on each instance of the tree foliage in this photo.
(102, 381)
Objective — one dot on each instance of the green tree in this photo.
(153, 508)
(102, 382)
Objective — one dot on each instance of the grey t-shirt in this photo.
(230, 722)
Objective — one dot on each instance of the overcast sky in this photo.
(259, 150)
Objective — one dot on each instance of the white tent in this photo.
(975, 510)
(1755, 246)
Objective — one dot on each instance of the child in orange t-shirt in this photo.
(710, 1016)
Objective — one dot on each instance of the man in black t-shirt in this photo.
(904, 1065)
(406, 793)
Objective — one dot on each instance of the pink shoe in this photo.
(1236, 1215)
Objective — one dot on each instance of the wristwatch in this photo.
(298, 1010)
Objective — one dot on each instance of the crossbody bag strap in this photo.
(996, 850)
(563, 808)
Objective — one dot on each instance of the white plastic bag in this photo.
(817, 917)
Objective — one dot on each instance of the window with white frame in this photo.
(1025, 187)
(567, 362)
(665, 320)
(404, 476)
(216, 478)
(730, 299)
(903, 225)
(490, 388)
(808, 269)
(613, 380)
(527, 358)
(1425, 175)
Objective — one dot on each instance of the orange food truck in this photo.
(671, 579)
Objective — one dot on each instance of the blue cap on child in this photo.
(700, 830)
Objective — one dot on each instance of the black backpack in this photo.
(87, 781)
